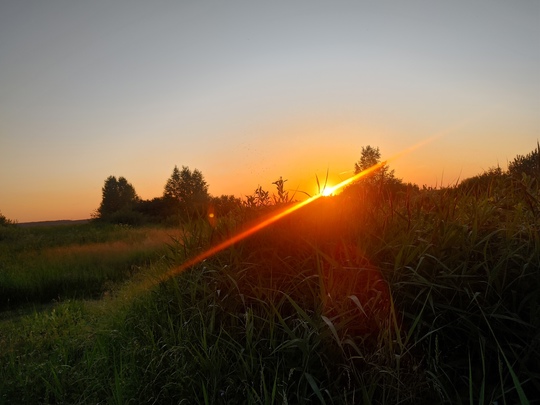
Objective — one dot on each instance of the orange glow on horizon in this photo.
(263, 224)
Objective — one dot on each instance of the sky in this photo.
(249, 91)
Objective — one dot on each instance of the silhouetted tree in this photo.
(4, 221)
(371, 156)
(186, 192)
(173, 187)
(379, 183)
(155, 210)
(224, 204)
(117, 195)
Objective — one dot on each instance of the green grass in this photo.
(66, 262)
(430, 297)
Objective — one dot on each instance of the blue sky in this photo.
(250, 91)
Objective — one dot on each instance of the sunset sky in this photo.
(248, 91)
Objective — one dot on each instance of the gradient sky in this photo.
(249, 91)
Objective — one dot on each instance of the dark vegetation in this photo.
(185, 198)
(385, 293)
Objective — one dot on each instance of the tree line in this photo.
(185, 194)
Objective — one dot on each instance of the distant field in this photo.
(54, 223)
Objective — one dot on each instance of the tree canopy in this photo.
(186, 191)
(371, 156)
(4, 221)
(117, 194)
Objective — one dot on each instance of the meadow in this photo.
(421, 296)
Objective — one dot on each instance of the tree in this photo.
(379, 183)
(4, 221)
(187, 191)
(153, 210)
(224, 204)
(117, 195)
(173, 187)
(371, 156)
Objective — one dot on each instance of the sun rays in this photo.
(326, 191)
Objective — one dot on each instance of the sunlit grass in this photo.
(428, 297)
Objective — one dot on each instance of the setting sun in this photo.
(269, 202)
(328, 191)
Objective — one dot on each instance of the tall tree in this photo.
(173, 187)
(187, 191)
(371, 156)
(117, 194)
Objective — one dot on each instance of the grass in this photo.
(67, 262)
(428, 297)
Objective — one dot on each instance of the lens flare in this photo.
(328, 191)
(242, 235)
(289, 210)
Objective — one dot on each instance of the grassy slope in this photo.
(425, 298)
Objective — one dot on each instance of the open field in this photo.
(55, 263)
(429, 297)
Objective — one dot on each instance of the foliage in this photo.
(282, 195)
(430, 299)
(117, 195)
(155, 210)
(528, 165)
(417, 296)
(185, 197)
(519, 186)
(224, 205)
(381, 183)
(7, 230)
(259, 199)
(491, 181)
(40, 264)
(4, 221)
(127, 216)
(186, 192)
(371, 156)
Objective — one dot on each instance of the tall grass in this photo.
(470, 283)
(427, 297)
(81, 261)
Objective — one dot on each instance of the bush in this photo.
(125, 216)
(4, 221)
